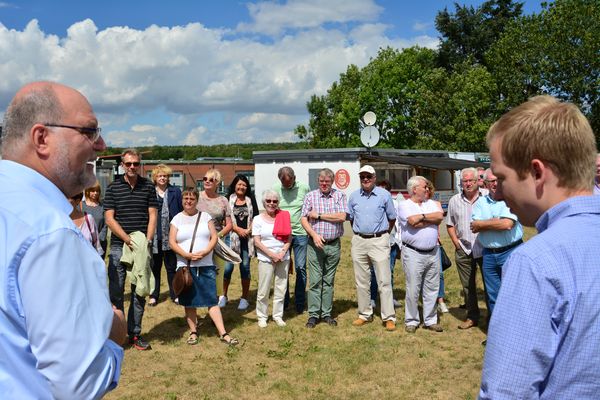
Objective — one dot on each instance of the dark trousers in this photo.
(170, 260)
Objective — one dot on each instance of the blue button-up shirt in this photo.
(487, 208)
(55, 313)
(544, 336)
(371, 212)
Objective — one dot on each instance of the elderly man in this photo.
(597, 179)
(130, 206)
(468, 250)
(291, 194)
(60, 336)
(372, 215)
(543, 337)
(499, 233)
(323, 216)
(418, 221)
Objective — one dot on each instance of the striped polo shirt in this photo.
(130, 204)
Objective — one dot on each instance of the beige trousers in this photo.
(266, 271)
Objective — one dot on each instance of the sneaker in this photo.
(372, 303)
(397, 303)
(139, 343)
(176, 301)
(434, 327)
(262, 323)
(410, 328)
(243, 305)
(443, 308)
(279, 322)
(222, 301)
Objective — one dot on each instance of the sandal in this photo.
(192, 339)
(231, 342)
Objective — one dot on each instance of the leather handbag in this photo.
(183, 281)
(446, 263)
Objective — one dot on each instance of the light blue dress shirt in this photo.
(371, 212)
(544, 337)
(55, 313)
(487, 208)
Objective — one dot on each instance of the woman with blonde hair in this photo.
(217, 206)
(169, 205)
(92, 205)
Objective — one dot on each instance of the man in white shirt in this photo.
(418, 221)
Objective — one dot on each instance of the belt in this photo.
(371, 235)
(418, 250)
(503, 249)
(327, 241)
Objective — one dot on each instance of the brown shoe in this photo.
(469, 323)
(435, 328)
(390, 325)
(361, 322)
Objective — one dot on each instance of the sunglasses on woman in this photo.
(269, 201)
(206, 179)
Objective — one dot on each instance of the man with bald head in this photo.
(60, 336)
(544, 334)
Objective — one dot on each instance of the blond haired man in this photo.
(543, 338)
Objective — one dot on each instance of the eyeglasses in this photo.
(366, 177)
(91, 133)
(270, 201)
(492, 180)
(131, 164)
(206, 179)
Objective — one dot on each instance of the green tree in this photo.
(469, 32)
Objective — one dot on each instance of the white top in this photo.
(264, 229)
(422, 238)
(185, 229)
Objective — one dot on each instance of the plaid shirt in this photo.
(334, 202)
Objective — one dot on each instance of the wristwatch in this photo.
(319, 217)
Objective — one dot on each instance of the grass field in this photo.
(294, 362)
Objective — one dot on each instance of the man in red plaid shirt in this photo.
(323, 216)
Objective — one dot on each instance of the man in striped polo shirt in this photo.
(323, 216)
(130, 205)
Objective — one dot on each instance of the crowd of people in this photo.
(541, 295)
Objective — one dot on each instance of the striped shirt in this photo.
(333, 202)
(459, 214)
(130, 205)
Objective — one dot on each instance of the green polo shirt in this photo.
(291, 200)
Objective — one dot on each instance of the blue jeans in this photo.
(374, 288)
(492, 274)
(299, 245)
(245, 264)
(442, 292)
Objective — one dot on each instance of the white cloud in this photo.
(421, 26)
(4, 4)
(271, 18)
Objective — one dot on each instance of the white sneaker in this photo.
(373, 303)
(443, 308)
(262, 323)
(397, 304)
(222, 301)
(243, 304)
(279, 322)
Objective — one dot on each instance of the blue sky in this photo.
(203, 72)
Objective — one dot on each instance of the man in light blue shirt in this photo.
(544, 336)
(60, 335)
(499, 233)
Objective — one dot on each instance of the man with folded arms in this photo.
(499, 233)
(60, 335)
(323, 216)
(468, 249)
(372, 215)
(544, 336)
(418, 220)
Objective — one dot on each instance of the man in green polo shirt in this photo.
(291, 195)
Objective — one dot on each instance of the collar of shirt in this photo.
(571, 206)
(327, 195)
(33, 179)
(369, 194)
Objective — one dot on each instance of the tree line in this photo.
(490, 59)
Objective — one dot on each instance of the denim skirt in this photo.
(203, 292)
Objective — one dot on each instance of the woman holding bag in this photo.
(193, 237)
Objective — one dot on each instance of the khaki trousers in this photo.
(266, 271)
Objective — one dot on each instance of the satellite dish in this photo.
(369, 136)
(369, 118)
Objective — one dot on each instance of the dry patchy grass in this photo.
(297, 363)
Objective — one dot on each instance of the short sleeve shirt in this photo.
(218, 208)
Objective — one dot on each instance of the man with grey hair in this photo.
(418, 220)
(323, 216)
(60, 335)
(291, 194)
(371, 213)
(468, 250)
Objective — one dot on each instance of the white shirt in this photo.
(421, 238)
(185, 225)
(264, 229)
